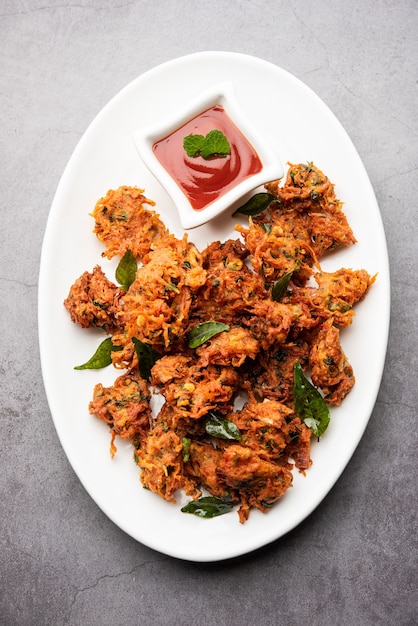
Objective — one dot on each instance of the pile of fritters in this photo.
(178, 287)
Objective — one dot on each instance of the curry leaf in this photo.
(309, 404)
(147, 356)
(218, 426)
(257, 204)
(202, 332)
(126, 270)
(280, 286)
(102, 357)
(207, 507)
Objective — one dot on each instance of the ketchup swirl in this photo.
(205, 180)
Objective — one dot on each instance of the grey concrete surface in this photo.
(354, 560)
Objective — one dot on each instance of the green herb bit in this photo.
(147, 357)
(214, 144)
(102, 357)
(207, 507)
(126, 270)
(280, 286)
(218, 426)
(257, 204)
(309, 404)
(185, 446)
(193, 144)
(171, 287)
(205, 331)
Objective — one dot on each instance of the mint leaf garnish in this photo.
(193, 144)
(215, 144)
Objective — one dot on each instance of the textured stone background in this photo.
(354, 560)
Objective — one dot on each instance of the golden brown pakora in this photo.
(228, 423)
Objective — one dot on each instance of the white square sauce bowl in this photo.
(203, 187)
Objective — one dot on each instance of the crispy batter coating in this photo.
(161, 463)
(156, 307)
(203, 466)
(160, 458)
(334, 297)
(229, 348)
(251, 365)
(306, 222)
(270, 322)
(124, 406)
(193, 389)
(93, 301)
(264, 427)
(122, 223)
(330, 368)
(271, 376)
(256, 471)
(230, 285)
(305, 188)
(283, 247)
(260, 482)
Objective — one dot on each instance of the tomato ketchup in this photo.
(205, 180)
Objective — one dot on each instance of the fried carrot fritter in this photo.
(122, 223)
(227, 422)
(93, 301)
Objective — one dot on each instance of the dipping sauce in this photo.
(205, 180)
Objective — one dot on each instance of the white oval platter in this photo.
(304, 129)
